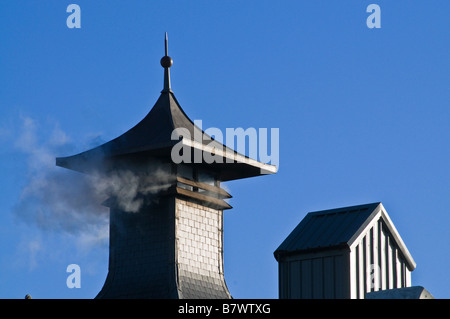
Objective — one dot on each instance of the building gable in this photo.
(343, 253)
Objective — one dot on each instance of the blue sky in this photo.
(363, 114)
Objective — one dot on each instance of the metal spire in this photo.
(165, 42)
(166, 63)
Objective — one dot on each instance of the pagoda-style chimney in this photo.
(171, 246)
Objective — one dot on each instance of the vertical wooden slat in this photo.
(345, 275)
(370, 265)
(317, 278)
(295, 280)
(382, 261)
(340, 284)
(398, 265)
(284, 280)
(358, 272)
(306, 281)
(394, 266)
(329, 280)
(408, 277)
(353, 274)
(367, 254)
(376, 265)
(390, 263)
(405, 273)
(281, 283)
(361, 270)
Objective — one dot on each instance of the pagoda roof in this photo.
(152, 137)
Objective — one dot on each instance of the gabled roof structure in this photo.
(343, 253)
(339, 228)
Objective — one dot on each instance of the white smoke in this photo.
(129, 188)
(53, 198)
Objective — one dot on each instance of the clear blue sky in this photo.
(364, 116)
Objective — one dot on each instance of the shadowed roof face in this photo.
(152, 132)
(328, 228)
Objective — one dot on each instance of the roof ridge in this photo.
(343, 209)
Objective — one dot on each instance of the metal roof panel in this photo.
(326, 229)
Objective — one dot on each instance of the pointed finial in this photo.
(166, 63)
(165, 42)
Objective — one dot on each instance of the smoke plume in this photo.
(57, 199)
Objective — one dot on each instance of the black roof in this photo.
(152, 136)
(327, 228)
(339, 228)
